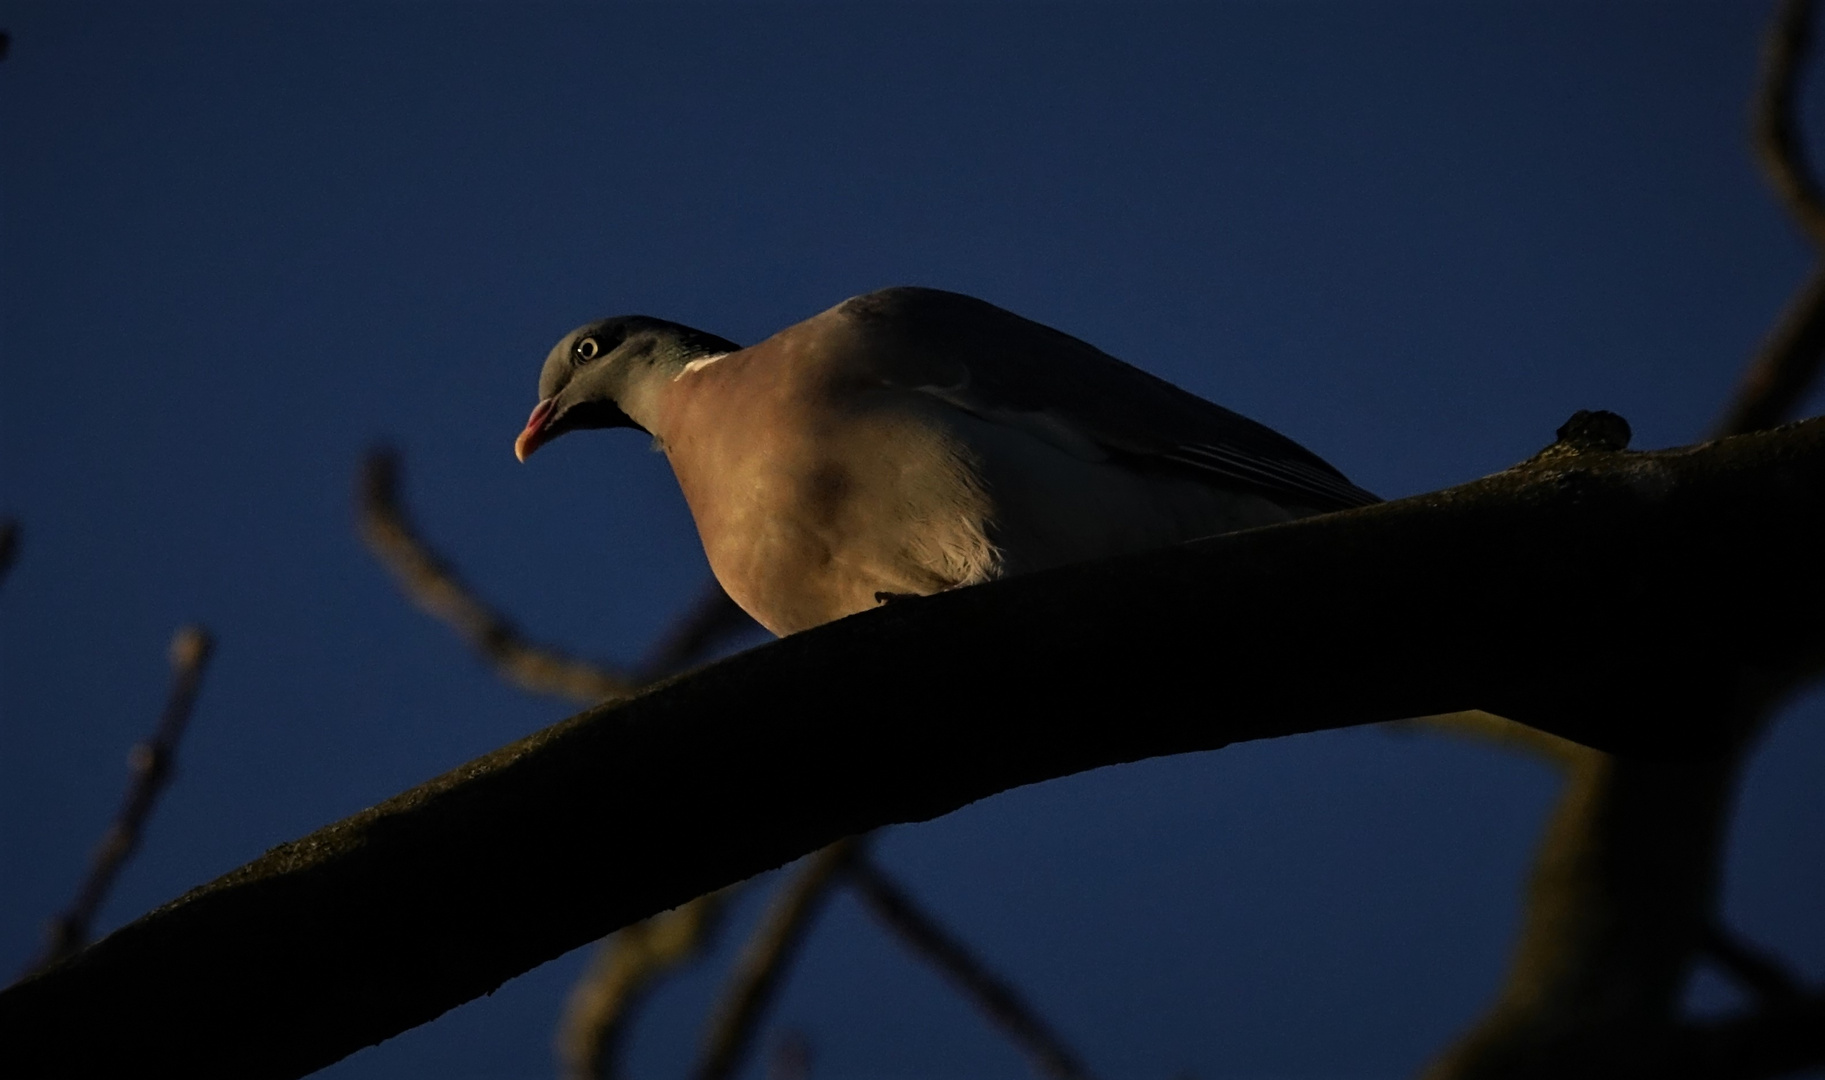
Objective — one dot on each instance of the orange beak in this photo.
(534, 435)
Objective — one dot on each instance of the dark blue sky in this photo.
(240, 242)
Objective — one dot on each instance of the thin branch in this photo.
(9, 546)
(762, 966)
(433, 585)
(1599, 584)
(151, 762)
(1776, 117)
(712, 621)
(993, 996)
(625, 968)
(1753, 969)
(1776, 382)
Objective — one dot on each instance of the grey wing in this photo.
(989, 360)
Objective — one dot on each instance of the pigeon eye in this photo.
(587, 349)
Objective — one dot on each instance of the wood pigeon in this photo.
(911, 440)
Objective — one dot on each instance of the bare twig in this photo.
(992, 995)
(1776, 382)
(763, 962)
(1776, 113)
(626, 966)
(433, 585)
(151, 762)
(712, 621)
(9, 545)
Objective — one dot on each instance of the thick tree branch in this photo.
(1624, 889)
(1639, 601)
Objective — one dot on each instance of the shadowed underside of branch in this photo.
(1623, 897)
(1637, 601)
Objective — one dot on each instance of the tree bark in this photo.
(1644, 603)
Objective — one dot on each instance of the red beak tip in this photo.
(534, 434)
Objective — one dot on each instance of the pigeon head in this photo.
(604, 374)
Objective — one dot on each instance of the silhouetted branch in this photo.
(1779, 1039)
(1637, 600)
(993, 996)
(602, 1002)
(764, 960)
(624, 969)
(1756, 971)
(9, 546)
(151, 762)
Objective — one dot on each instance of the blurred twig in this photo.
(151, 762)
(625, 967)
(764, 959)
(772, 948)
(433, 585)
(1776, 382)
(997, 1000)
(1775, 117)
(710, 622)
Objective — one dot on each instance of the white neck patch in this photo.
(698, 365)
